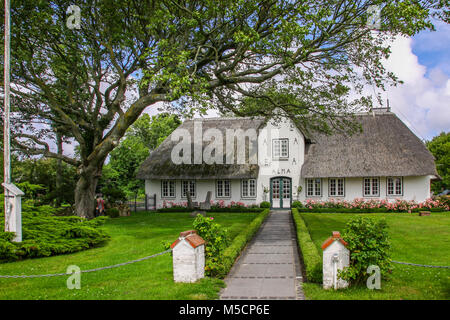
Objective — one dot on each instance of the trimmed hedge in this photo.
(232, 252)
(311, 257)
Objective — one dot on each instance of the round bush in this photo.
(264, 204)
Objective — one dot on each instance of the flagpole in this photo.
(6, 144)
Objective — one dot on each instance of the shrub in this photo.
(297, 204)
(264, 204)
(44, 234)
(216, 238)
(368, 243)
(114, 195)
(112, 212)
(311, 257)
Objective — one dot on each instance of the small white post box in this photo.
(336, 257)
(188, 257)
(13, 214)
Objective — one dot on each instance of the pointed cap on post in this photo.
(191, 237)
(336, 236)
(11, 187)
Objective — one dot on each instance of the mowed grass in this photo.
(132, 238)
(414, 239)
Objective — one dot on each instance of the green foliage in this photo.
(45, 234)
(152, 131)
(113, 195)
(216, 239)
(234, 250)
(264, 204)
(297, 204)
(38, 179)
(311, 257)
(144, 135)
(369, 244)
(439, 146)
(112, 212)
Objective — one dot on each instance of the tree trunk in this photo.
(59, 181)
(85, 195)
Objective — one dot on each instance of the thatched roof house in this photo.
(385, 160)
(386, 147)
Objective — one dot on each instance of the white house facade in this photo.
(282, 164)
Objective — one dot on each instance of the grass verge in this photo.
(423, 240)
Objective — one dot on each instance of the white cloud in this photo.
(423, 101)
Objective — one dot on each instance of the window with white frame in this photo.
(280, 148)
(314, 187)
(371, 187)
(336, 187)
(188, 185)
(248, 187)
(223, 188)
(394, 186)
(167, 188)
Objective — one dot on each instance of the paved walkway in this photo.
(269, 267)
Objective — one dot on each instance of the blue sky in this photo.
(423, 63)
(433, 48)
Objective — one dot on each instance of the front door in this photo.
(280, 193)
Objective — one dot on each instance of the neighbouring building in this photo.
(280, 164)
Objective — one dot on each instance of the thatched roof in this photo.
(386, 147)
(159, 164)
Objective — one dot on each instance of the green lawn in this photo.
(132, 238)
(423, 240)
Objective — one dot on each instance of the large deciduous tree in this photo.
(93, 82)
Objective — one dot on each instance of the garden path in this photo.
(269, 267)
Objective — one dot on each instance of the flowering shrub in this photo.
(377, 205)
(368, 242)
(216, 238)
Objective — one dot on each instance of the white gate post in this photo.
(336, 257)
(188, 257)
(13, 214)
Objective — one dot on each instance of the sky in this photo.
(423, 63)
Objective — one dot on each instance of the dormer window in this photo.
(280, 148)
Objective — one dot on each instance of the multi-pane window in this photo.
(314, 187)
(168, 189)
(394, 186)
(336, 187)
(188, 185)
(223, 189)
(280, 148)
(371, 187)
(248, 187)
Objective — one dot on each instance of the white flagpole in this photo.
(6, 144)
